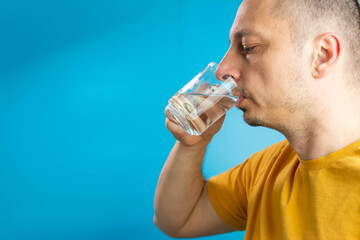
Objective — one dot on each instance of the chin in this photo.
(253, 121)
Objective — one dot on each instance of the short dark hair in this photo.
(308, 18)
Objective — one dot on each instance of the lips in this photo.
(240, 100)
(241, 94)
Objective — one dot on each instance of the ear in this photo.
(328, 49)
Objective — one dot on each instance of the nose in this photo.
(221, 73)
(229, 66)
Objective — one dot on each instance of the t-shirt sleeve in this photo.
(229, 191)
(228, 196)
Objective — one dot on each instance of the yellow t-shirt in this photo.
(275, 195)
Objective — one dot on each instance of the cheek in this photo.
(276, 84)
(270, 77)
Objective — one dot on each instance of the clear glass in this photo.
(202, 101)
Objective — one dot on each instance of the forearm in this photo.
(179, 187)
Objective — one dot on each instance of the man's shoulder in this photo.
(268, 156)
(259, 162)
(274, 150)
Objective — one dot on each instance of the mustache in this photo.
(241, 91)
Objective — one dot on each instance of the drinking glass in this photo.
(202, 101)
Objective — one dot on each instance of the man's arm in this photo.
(182, 206)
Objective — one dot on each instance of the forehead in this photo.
(254, 16)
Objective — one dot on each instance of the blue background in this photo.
(83, 87)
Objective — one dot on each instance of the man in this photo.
(297, 67)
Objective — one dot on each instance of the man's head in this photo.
(286, 55)
(310, 18)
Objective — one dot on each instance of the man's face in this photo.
(270, 73)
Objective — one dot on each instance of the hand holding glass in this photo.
(204, 100)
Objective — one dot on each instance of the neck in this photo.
(335, 126)
(312, 145)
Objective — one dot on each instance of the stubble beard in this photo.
(295, 102)
(297, 105)
(290, 106)
(252, 121)
(279, 124)
(255, 122)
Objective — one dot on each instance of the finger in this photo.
(174, 128)
(211, 107)
(203, 88)
(213, 129)
(168, 115)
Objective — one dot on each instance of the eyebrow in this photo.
(244, 32)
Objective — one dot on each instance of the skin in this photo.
(302, 94)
